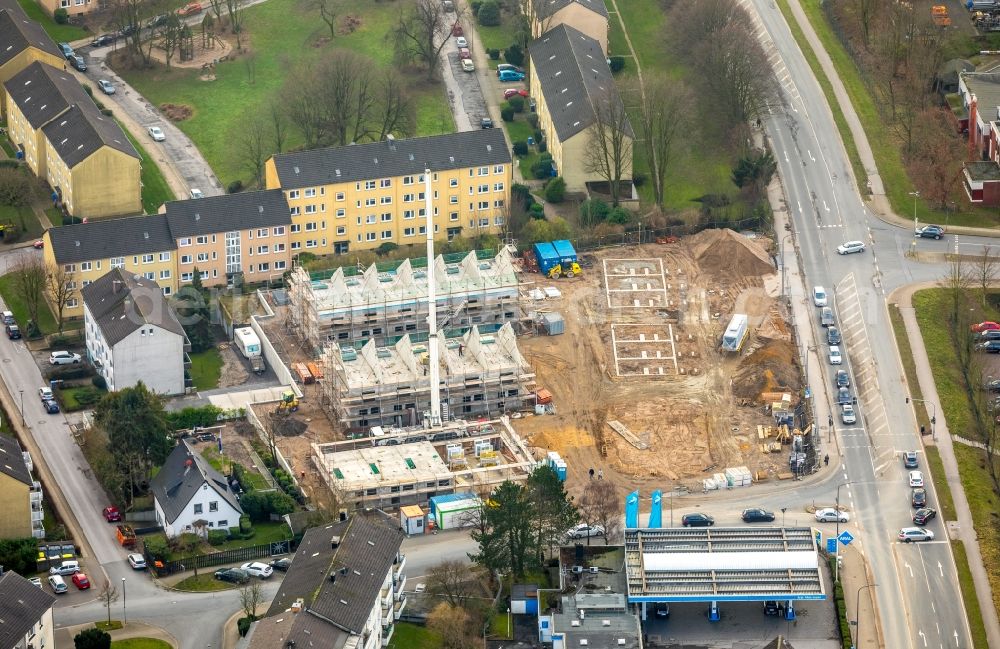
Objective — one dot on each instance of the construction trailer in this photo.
(481, 375)
(384, 302)
(415, 470)
(736, 333)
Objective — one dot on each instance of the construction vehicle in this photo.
(289, 403)
(939, 14)
(557, 259)
(126, 536)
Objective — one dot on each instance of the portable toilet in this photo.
(560, 469)
(411, 520)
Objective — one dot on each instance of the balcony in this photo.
(397, 609)
(37, 514)
(36, 493)
(387, 634)
(400, 585)
(187, 358)
(37, 530)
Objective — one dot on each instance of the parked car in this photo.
(13, 332)
(510, 75)
(514, 92)
(57, 584)
(66, 50)
(910, 460)
(583, 531)
(257, 569)
(843, 379)
(697, 519)
(916, 479)
(831, 515)
(989, 334)
(282, 564)
(923, 515)
(137, 561)
(833, 335)
(36, 581)
(45, 394)
(127, 30)
(844, 396)
(911, 534)
(849, 247)
(771, 608)
(38, 244)
(929, 232)
(103, 40)
(64, 358)
(106, 86)
(461, 42)
(985, 326)
(819, 296)
(232, 575)
(78, 63)
(51, 407)
(8, 317)
(918, 498)
(507, 66)
(111, 514)
(156, 133)
(456, 29)
(190, 9)
(835, 357)
(157, 21)
(757, 515)
(826, 318)
(65, 568)
(464, 53)
(486, 122)
(196, 193)
(990, 347)
(468, 65)
(847, 414)
(80, 581)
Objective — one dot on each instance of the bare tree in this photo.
(610, 152)
(251, 597)
(171, 36)
(302, 108)
(454, 581)
(539, 16)
(127, 17)
(237, 14)
(217, 6)
(986, 272)
(694, 23)
(279, 125)
(329, 11)
(664, 112)
(250, 63)
(600, 504)
(60, 286)
(108, 596)
(736, 74)
(452, 624)
(421, 33)
(394, 111)
(30, 281)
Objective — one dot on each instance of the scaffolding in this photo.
(482, 375)
(385, 302)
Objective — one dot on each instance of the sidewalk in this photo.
(964, 532)
(64, 635)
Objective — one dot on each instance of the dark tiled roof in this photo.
(574, 75)
(367, 550)
(546, 8)
(228, 212)
(12, 460)
(18, 32)
(121, 302)
(305, 630)
(388, 159)
(176, 483)
(41, 93)
(106, 238)
(22, 605)
(81, 131)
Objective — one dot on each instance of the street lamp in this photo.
(783, 516)
(124, 616)
(836, 563)
(915, 196)
(857, 616)
(22, 408)
(933, 414)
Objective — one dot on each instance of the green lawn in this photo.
(24, 218)
(976, 627)
(203, 582)
(519, 129)
(206, 368)
(268, 532)
(7, 147)
(645, 22)
(140, 643)
(499, 37)
(283, 34)
(413, 636)
(68, 398)
(57, 32)
(499, 626)
(8, 290)
(155, 190)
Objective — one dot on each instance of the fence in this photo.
(236, 555)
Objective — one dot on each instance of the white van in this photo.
(57, 584)
(8, 318)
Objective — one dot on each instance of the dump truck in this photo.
(126, 536)
(556, 259)
(249, 344)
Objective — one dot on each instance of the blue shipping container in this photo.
(565, 251)
(547, 257)
(434, 501)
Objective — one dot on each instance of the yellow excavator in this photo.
(289, 403)
(567, 270)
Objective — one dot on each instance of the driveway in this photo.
(464, 93)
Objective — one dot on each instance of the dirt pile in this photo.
(770, 368)
(729, 254)
(176, 112)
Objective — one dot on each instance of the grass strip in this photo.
(976, 627)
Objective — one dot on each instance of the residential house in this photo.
(980, 93)
(92, 167)
(21, 512)
(188, 490)
(224, 236)
(590, 17)
(578, 104)
(25, 614)
(344, 589)
(139, 245)
(363, 196)
(22, 42)
(35, 96)
(133, 334)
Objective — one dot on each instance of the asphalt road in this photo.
(917, 590)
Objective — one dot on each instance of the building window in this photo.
(147, 259)
(407, 180)
(309, 193)
(86, 265)
(264, 267)
(310, 209)
(296, 228)
(69, 268)
(164, 256)
(166, 290)
(453, 216)
(370, 236)
(341, 213)
(498, 187)
(262, 233)
(453, 199)
(311, 243)
(484, 189)
(279, 230)
(453, 182)
(117, 262)
(202, 256)
(187, 277)
(340, 196)
(294, 211)
(164, 274)
(186, 259)
(279, 247)
(262, 250)
(498, 220)
(499, 203)
(483, 171)
(370, 202)
(198, 508)
(293, 194)
(311, 226)
(386, 217)
(386, 234)
(296, 245)
(151, 276)
(498, 169)
(341, 230)
(484, 205)
(202, 240)
(407, 214)
(484, 223)
(279, 265)
(369, 184)
(222, 523)
(72, 303)
(409, 232)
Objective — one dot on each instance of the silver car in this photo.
(106, 86)
(849, 247)
(911, 534)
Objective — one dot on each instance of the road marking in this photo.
(786, 157)
(910, 568)
(922, 637)
(825, 206)
(809, 151)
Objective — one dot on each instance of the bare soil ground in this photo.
(689, 418)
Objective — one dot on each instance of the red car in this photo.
(985, 326)
(80, 581)
(38, 244)
(456, 30)
(112, 515)
(464, 53)
(511, 92)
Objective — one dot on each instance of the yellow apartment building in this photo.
(21, 511)
(91, 165)
(248, 233)
(588, 16)
(140, 245)
(35, 96)
(23, 41)
(569, 77)
(362, 196)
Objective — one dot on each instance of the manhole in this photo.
(6, 360)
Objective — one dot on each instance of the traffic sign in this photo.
(831, 545)
(845, 537)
